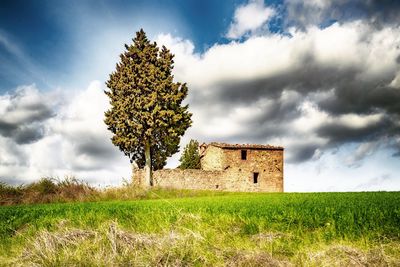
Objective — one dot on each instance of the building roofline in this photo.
(246, 146)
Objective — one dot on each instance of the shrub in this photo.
(73, 189)
(44, 186)
(47, 190)
(10, 194)
(43, 191)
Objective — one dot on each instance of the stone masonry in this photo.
(246, 168)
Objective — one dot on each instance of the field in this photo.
(231, 229)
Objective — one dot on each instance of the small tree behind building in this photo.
(190, 158)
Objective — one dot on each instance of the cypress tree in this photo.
(147, 116)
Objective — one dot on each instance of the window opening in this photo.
(244, 154)
(255, 177)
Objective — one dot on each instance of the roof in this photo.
(246, 146)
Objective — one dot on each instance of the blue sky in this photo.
(320, 77)
(51, 34)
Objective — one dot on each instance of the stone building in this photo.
(227, 167)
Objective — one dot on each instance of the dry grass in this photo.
(112, 246)
(253, 259)
(344, 255)
(269, 237)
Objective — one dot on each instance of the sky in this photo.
(319, 77)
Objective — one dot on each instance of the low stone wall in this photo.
(181, 179)
(228, 180)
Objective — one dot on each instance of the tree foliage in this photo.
(190, 158)
(147, 116)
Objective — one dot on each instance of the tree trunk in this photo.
(147, 167)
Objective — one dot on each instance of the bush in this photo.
(43, 191)
(10, 194)
(44, 186)
(47, 190)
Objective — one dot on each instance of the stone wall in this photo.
(212, 159)
(229, 180)
(182, 179)
(222, 168)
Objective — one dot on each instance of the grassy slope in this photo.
(233, 229)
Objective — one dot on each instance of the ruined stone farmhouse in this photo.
(227, 167)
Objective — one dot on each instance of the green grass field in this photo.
(236, 229)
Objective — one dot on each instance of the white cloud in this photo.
(26, 105)
(311, 118)
(357, 121)
(317, 3)
(339, 46)
(249, 18)
(395, 83)
(76, 141)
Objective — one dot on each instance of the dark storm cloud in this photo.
(257, 132)
(338, 133)
(22, 120)
(376, 12)
(94, 147)
(363, 98)
(277, 111)
(301, 153)
(97, 148)
(22, 134)
(395, 145)
(310, 77)
(381, 11)
(28, 134)
(6, 129)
